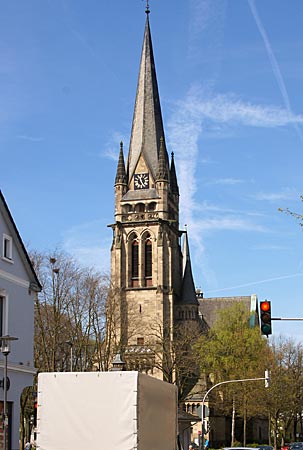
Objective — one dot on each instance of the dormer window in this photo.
(7, 247)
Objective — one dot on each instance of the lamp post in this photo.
(55, 339)
(118, 363)
(266, 378)
(5, 350)
(71, 354)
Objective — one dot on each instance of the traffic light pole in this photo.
(266, 378)
(286, 318)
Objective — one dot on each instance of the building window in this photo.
(139, 207)
(152, 206)
(135, 263)
(3, 315)
(140, 341)
(148, 261)
(7, 249)
(127, 208)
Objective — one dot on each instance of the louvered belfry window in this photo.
(135, 263)
(148, 262)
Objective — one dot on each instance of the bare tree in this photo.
(70, 313)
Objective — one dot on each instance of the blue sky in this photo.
(230, 78)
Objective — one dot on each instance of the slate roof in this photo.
(140, 194)
(34, 282)
(210, 307)
(147, 126)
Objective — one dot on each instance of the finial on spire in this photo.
(147, 10)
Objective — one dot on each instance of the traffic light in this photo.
(267, 378)
(265, 317)
(35, 412)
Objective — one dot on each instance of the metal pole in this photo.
(70, 343)
(286, 318)
(5, 350)
(5, 417)
(213, 387)
(71, 357)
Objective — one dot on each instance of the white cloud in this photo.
(208, 17)
(269, 247)
(112, 146)
(226, 223)
(226, 181)
(276, 196)
(257, 282)
(197, 112)
(89, 245)
(274, 63)
(30, 138)
(229, 109)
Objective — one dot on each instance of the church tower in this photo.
(152, 288)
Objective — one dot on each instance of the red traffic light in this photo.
(265, 318)
(265, 306)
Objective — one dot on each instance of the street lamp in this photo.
(118, 363)
(5, 350)
(71, 354)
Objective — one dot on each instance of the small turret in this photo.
(173, 177)
(121, 177)
(188, 292)
(162, 170)
(120, 182)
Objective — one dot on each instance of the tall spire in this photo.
(147, 126)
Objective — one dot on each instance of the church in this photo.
(150, 262)
(153, 302)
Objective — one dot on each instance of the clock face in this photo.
(141, 181)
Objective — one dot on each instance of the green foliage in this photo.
(232, 349)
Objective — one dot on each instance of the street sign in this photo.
(206, 411)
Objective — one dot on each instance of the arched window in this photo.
(139, 207)
(152, 206)
(127, 208)
(148, 261)
(135, 263)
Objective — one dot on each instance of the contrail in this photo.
(274, 63)
(283, 277)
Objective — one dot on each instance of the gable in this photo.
(13, 254)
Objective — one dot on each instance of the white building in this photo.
(18, 287)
